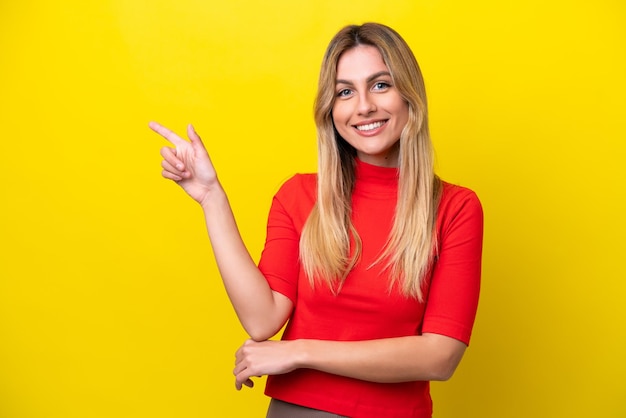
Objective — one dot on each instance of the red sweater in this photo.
(364, 309)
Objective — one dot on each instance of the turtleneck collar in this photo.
(373, 179)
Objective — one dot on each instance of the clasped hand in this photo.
(256, 359)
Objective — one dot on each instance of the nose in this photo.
(366, 104)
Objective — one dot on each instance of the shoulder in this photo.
(453, 195)
(296, 197)
(458, 202)
(297, 187)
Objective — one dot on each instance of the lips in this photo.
(366, 127)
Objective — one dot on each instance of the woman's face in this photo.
(369, 112)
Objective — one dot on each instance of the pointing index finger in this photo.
(166, 133)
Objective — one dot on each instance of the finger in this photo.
(238, 368)
(240, 380)
(174, 171)
(193, 135)
(166, 133)
(247, 382)
(170, 155)
(196, 141)
(170, 176)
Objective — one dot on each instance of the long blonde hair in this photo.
(411, 246)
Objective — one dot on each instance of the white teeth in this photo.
(370, 126)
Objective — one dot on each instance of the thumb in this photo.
(196, 141)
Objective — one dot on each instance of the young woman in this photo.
(373, 262)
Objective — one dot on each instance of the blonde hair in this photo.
(325, 250)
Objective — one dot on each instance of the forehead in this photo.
(359, 63)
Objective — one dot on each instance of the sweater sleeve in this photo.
(455, 282)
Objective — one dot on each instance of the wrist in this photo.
(213, 196)
(303, 353)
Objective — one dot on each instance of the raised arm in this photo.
(261, 311)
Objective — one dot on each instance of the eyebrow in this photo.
(369, 79)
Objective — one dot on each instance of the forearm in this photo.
(402, 359)
(261, 311)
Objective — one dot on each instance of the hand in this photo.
(263, 358)
(188, 163)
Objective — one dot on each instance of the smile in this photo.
(370, 126)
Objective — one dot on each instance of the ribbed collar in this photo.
(373, 179)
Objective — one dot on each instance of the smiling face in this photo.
(369, 112)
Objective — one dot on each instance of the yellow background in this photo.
(110, 303)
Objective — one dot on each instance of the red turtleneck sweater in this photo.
(364, 309)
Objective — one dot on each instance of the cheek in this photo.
(402, 111)
(339, 113)
(340, 120)
(398, 105)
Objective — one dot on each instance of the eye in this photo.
(381, 85)
(344, 92)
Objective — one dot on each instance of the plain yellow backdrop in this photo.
(110, 302)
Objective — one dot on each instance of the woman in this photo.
(373, 263)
